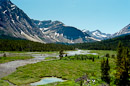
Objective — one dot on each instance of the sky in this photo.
(108, 16)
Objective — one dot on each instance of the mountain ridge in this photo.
(14, 22)
(97, 34)
(60, 31)
(123, 31)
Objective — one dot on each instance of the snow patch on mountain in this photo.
(4, 11)
(39, 23)
(57, 34)
(12, 5)
(93, 38)
(98, 34)
(12, 21)
(17, 17)
(13, 8)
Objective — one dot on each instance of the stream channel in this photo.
(10, 67)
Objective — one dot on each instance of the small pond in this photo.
(47, 81)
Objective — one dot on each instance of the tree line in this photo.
(25, 45)
(122, 75)
(109, 44)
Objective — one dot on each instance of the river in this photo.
(8, 68)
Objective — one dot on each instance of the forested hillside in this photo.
(110, 44)
(25, 45)
(11, 44)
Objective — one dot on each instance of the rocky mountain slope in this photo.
(124, 31)
(14, 22)
(59, 32)
(97, 34)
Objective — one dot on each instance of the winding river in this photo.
(8, 68)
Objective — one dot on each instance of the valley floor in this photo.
(64, 69)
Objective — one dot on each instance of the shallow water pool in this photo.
(47, 81)
(78, 52)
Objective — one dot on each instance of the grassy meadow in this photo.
(102, 53)
(13, 58)
(3, 83)
(24, 52)
(68, 69)
(21, 55)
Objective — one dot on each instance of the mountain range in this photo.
(97, 34)
(15, 23)
(124, 31)
(56, 31)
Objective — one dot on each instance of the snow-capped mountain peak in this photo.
(14, 22)
(97, 34)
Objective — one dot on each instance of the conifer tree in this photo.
(93, 59)
(105, 68)
(119, 53)
(61, 54)
(102, 68)
(122, 75)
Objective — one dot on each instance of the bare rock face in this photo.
(59, 32)
(14, 22)
(124, 31)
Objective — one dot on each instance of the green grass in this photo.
(64, 69)
(45, 52)
(3, 83)
(1, 51)
(81, 57)
(103, 52)
(51, 58)
(13, 51)
(51, 52)
(8, 59)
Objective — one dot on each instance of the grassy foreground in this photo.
(65, 69)
(3, 83)
(8, 59)
(101, 53)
